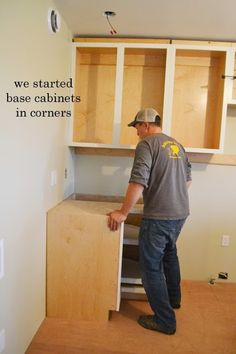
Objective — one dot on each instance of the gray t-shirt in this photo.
(162, 167)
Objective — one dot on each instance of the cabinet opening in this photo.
(143, 86)
(198, 98)
(95, 84)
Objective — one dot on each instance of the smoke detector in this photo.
(54, 21)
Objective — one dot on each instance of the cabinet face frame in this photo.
(234, 81)
(168, 88)
(230, 78)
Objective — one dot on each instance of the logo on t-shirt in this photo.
(173, 149)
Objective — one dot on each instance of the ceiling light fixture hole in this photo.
(109, 13)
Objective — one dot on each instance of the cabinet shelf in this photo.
(133, 292)
(232, 103)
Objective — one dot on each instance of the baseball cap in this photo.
(149, 115)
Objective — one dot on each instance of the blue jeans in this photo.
(159, 267)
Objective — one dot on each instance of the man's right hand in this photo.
(115, 218)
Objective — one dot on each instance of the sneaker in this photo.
(149, 322)
(176, 306)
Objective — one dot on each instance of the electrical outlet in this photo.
(225, 240)
(65, 173)
(223, 275)
(2, 340)
(1, 258)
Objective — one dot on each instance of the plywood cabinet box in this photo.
(83, 261)
(189, 84)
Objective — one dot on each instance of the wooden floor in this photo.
(206, 324)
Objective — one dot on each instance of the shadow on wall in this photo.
(102, 175)
(107, 175)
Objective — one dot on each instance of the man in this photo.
(161, 172)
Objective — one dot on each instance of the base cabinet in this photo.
(83, 261)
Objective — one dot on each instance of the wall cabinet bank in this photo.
(189, 83)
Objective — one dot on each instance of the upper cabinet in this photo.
(187, 84)
(114, 81)
(143, 86)
(198, 98)
(95, 77)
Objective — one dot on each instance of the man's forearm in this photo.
(116, 217)
(133, 193)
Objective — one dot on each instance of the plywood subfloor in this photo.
(206, 325)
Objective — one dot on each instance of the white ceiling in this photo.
(172, 19)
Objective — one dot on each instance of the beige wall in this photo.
(212, 198)
(30, 148)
